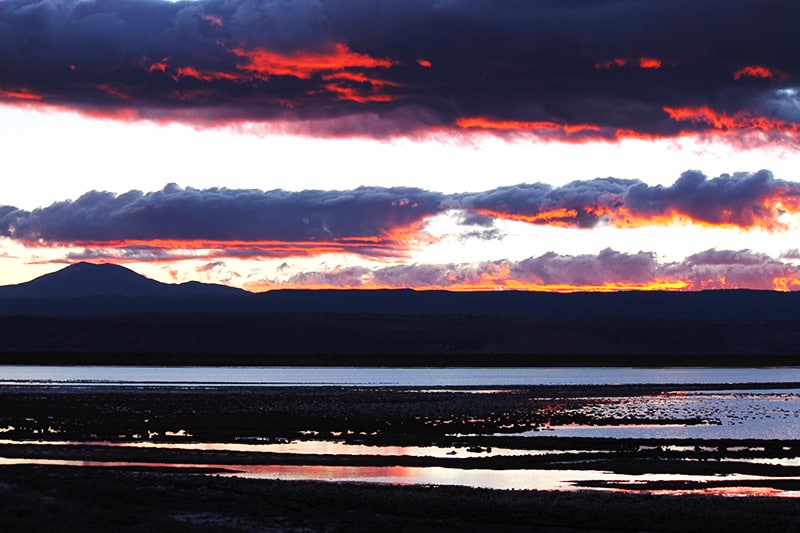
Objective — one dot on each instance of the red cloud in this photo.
(616, 62)
(757, 71)
(649, 62)
(723, 123)
(540, 127)
(19, 94)
(303, 64)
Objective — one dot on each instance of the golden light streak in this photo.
(486, 285)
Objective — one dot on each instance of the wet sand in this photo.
(146, 496)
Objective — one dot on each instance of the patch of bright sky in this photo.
(54, 156)
(519, 240)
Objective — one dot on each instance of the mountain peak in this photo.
(86, 279)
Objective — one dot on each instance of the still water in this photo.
(383, 376)
(512, 479)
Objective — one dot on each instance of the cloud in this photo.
(606, 271)
(184, 223)
(726, 269)
(578, 204)
(742, 200)
(558, 70)
(367, 220)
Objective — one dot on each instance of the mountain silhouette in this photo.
(87, 289)
(101, 309)
(82, 280)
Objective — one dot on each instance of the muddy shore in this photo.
(66, 499)
(135, 494)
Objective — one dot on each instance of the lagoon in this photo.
(385, 376)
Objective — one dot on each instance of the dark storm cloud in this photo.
(569, 69)
(382, 221)
(720, 269)
(574, 204)
(363, 218)
(742, 199)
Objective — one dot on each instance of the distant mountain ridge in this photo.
(108, 309)
(86, 289)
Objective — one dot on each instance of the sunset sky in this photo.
(547, 145)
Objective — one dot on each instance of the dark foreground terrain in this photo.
(80, 499)
(108, 482)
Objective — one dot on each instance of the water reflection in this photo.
(563, 480)
(314, 447)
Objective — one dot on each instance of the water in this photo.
(382, 376)
(511, 479)
(739, 413)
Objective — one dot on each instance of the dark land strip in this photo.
(36, 498)
(404, 340)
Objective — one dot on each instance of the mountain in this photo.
(86, 289)
(85, 280)
(109, 309)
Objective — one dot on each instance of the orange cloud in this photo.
(395, 242)
(192, 72)
(616, 62)
(110, 90)
(553, 217)
(358, 87)
(304, 64)
(160, 66)
(607, 271)
(649, 62)
(484, 123)
(487, 283)
(360, 77)
(754, 71)
(20, 94)
(356, 95)
(722, 123)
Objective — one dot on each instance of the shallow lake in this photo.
(383, 376)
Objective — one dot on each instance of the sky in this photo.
(557, 145)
